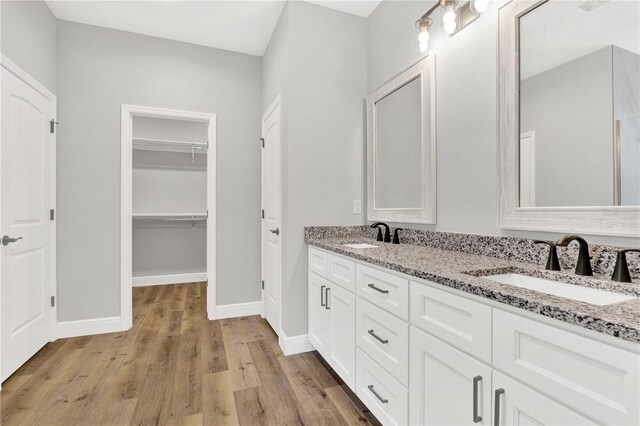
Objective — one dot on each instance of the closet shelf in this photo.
(168, 145)
(188, 217)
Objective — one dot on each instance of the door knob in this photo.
(6, 240)
(275, 231)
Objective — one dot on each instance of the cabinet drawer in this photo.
(384, 338)
(387, 399)
(458, 321)
(342, 271)
(318, 261)
(597, 379)
(383, 289)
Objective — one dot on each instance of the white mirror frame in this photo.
(607, 220)
(425, 70)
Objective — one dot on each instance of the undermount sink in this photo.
(593, 296)
(360, 245)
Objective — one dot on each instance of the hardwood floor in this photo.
(174, 367)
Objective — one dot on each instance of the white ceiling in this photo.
(558, 32)
(236, 25)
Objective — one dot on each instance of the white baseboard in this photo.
(294, 344)
(236, 310)
(169, 279)
(88, 327)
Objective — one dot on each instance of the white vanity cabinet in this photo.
(420, 353)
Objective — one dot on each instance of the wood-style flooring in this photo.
(174, 367)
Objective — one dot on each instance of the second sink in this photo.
(593, 296)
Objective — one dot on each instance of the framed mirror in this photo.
(401, 147)
(569, 116)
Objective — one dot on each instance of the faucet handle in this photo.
(553, 263)
(621, 271)
(396, 236)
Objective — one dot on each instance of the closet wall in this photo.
(169, 200)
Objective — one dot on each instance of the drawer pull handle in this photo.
(378, 289)
(373, 391)
(496, 408)
(322, 302)
(378, 338)
(326, 298)
(476, 417)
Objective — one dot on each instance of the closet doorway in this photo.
(168, 201)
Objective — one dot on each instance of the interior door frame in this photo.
(277, 102)
(126, 171)
(24, 76)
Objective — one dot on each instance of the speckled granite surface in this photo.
(463, 271)
(603, 257)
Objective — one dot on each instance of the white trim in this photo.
(30, 81)
(15, 69)
(236, 310)
(88, 327)
(591, 220)
(294, 344)
(126, 166)
(169, 279)
(427, 213)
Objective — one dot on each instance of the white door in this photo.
(448, 387)
(319, 317)
(520, 405)
(342, 309)
(272, 216)
(26, 197)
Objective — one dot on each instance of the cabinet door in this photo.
(518, 404)
(448, 387)
(318, 319)
(342, 308)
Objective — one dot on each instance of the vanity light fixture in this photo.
(453, 20)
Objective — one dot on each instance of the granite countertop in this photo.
(462, 271)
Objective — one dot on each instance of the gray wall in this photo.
(569, 108)
(28, 38)
(100, 69)
(317, 59)
(466, 111)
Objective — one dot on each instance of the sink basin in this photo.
(360, 246)
(593, 296)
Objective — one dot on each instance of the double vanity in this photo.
(428, 336)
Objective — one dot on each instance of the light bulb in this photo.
(449, 16)
(479, 6)
(423, 41)
(450, 27)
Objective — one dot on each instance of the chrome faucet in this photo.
(583, 266)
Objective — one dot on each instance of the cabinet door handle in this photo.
(322, 295)
(378, 338)
(377, 395)
(476, 417)
(378, 289)
(496, 408)
(326, 298)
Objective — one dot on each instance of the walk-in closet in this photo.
(171, 175)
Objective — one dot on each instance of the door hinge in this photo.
(263, 213)
(53, 301)
(52, 214)
(52, 124)
(262, 140)
(263, 284)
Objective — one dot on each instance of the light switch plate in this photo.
(357, 206)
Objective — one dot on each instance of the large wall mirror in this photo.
(569, 81)
(401, 172)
